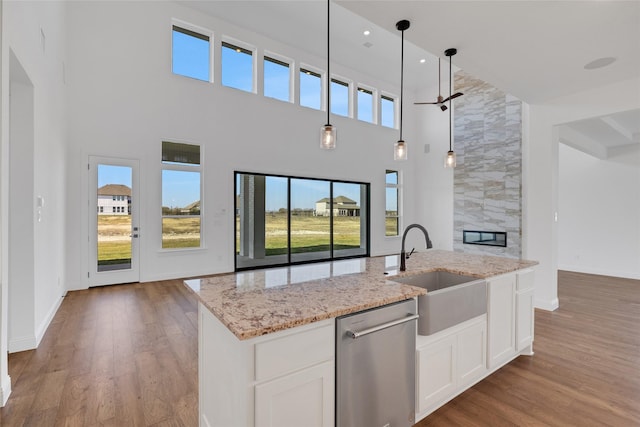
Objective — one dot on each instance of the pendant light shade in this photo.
(400, 147)
(400, 150)
(328, 137)
(450, 158)
(328, 133)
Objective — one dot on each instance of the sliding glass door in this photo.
(290, 220)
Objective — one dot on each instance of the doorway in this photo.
(114, 232)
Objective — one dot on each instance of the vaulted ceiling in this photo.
(535, 50)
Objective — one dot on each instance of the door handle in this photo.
(358, 334)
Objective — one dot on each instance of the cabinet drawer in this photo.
(292, 352)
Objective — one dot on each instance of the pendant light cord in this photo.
(328, 61)
(401, 81)
(450, 84)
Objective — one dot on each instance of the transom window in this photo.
(237, 67)
(365, 105)
(387, 111)
(339, 97)
(310, 89)
(277, 79)
(191, 54)
(283, 220)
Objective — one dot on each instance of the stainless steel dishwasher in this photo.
(375, 367)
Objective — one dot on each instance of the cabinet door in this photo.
(524, 319)
(472, 353)
(436, 372)
(304, 398)
(501, 312)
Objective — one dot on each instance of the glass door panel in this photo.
(310, 220)
(349, 219)
(114, 218)
(113, 222)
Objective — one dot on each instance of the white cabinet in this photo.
(303, 398)
(281, 379)
(472, 353)
(501, 312)
(524, 310)
(448, 362)
(436, 371)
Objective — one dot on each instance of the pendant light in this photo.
(450, 158)
(400, 147)
(328, 133)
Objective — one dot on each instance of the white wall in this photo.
(124, 100)
(42, 60)
(540, 181)
(434, 183)
(599, 215)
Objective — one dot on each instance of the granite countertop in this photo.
(258, 302)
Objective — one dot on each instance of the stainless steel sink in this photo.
(451, 299)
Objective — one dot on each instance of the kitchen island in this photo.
(267, 344)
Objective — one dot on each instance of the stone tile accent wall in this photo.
(488, 177)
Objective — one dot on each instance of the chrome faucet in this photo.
(403, 256)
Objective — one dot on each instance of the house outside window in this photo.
(114, 199)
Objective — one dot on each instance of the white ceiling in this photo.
(535, 50)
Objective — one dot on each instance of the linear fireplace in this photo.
(486, 238)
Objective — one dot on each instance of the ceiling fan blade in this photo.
(454, 96)
(425, 103)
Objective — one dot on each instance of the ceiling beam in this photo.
(618, 127)
(569, 136)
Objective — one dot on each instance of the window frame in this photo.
(183, 167)
(366, 225)
(245, 48)
(398, 216)
(198, 32)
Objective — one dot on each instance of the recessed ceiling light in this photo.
(422, 61)
(366, 32)
(599, 63)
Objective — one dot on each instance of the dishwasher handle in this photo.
(358, 334)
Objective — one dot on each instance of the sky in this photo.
(304, 192)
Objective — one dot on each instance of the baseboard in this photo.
(5, 390)
(600, 272)
(551, 305)
(23, 343)
(42, 329)
(31, 342)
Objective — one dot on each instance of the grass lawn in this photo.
(308, 234)
(114, 243)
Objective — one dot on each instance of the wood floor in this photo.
(127, 356)
(113, 356)
(585, 371)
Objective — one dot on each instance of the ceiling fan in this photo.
(441, 101)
